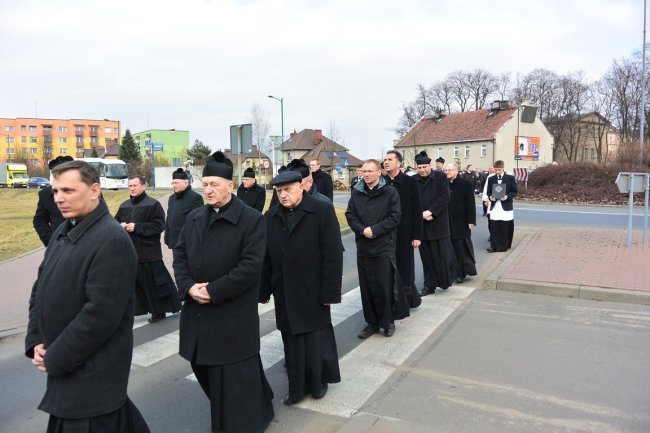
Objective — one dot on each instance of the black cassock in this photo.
(462, 212)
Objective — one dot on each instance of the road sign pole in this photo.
(644, 237)
(630, 211)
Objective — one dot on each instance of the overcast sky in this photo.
(201, 65)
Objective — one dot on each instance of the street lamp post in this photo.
(282, 125)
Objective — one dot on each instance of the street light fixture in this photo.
(282, 124)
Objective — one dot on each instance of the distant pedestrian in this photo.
(373, 214)
(481, 186)
(48, 216)
(501, 208)
(356, 178)
(179, 205)
(143, 218)
(250, 192)
(440, 164)
(462, 219)
(471, 176)
(304, 283)
(322, 181)
(436, 250)
(218, 261)
(409, 232)
(299, 166)
(81, 312)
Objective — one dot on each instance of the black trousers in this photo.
(501, 235)
(437, 263)
(465, 263)
(126, 419)
(382, 297)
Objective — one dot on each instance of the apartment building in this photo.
(35, 141)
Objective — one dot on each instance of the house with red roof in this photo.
(311, 144)
(514, 134)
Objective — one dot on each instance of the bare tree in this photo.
(503, 86)
(259, 120)
(480, 84)
(459, 82)
(442, 95)
(537, 86)
(413, 111)
(334, 134)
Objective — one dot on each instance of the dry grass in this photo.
(17, 208)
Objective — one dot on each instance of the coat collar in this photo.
(308, 204)
(85, 223)
(231, 215)
(399, 179)
(361, 185)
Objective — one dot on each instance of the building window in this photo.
(94, 140)
(23, 139)
(33, 161)
(107, 130)
(9, 128)
(456, 152)
(483, 150)
(79, 128)
(93, 128)
(10, 139)
(24, 151)
(466, 151)
(440, 152)
(114, 130)
(32, 128)
(63, 139)
(593, 153)
(80, 149)
(80, 140)
(11, 151)
(32, 139)
(33, 150)
(23, 127)
(63, 129)
(63, 150)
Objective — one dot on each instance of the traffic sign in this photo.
(266, 164)
(158, 147)
(338, 166)
(346, 162)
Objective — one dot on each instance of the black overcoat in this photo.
(323, 183)
(303, 268)
(434, 193)
(149, 218)
(378, 209)
(511, 190)
(179, 205)
(225, 249)
(81, 309)
(47, 216)
(462, 208)
(410, 224)
(255, 196)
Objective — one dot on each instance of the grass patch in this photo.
(17, 207)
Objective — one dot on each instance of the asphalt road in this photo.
(499, 362)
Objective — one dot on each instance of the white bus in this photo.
(113, 173)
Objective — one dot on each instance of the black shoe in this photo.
(459, 280)
(321, 394)
(427, 291)
(368, 331)
(490, 250)
(157, 317)
(289, 400)
(388, 332)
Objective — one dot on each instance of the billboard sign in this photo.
(241, 138)
(526, 148)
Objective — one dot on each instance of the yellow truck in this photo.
(13, 175)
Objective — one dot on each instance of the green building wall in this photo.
(175, 145)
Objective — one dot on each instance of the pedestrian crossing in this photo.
(363, 370)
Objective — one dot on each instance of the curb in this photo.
(562, 290)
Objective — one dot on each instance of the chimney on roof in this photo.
(499, 105)
(292, 134)
(318, 136)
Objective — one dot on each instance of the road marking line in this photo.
(155, 350)
(367, 367)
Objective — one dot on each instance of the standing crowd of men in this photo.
(227, 258)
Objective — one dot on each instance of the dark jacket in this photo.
(225, 249)
(324, 183)
(255, 196)
(149, 218)
(434, 193)
(378, 209)
(303, 267)
(81, 309)
(472, 178)
(462, 208)
(511, 190)
(47, 216)
(410, 225)
(179, 206)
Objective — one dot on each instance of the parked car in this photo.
(38, 182)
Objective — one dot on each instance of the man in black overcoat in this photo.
(179, 205)
(409, 232)
(81, 312)
(143, 218)
(303, 270)
(322, 181)
(48, 216)
(218, 262)
(373, 214)
(436, 250)
(250, 192)
(462, 219)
